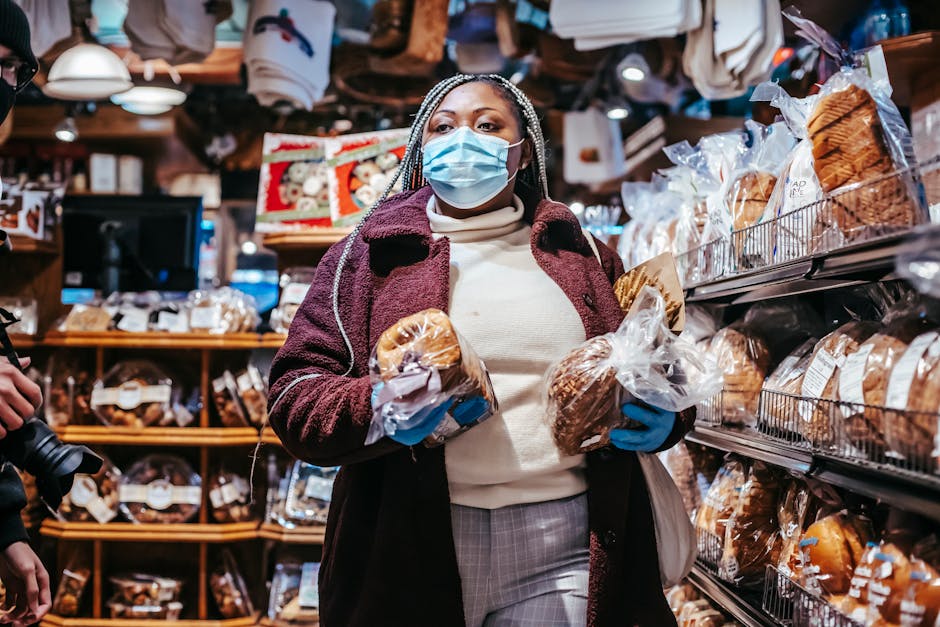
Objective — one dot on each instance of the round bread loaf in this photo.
(891, 577)
(816, 419)
(778, 412)
(744, 359)
(834, 545)
(426, 338)
(720, 500)
(911, 433)
(752, 538)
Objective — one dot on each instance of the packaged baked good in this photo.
(67, 386)
(309, 492)
(778, 409)
(720, 502)
(167, 611)
(253, 392)
(691, 608)
(23, 309)
(829, 552)
(160, 489)
(913, 402)
(659, 273)
(752, 533)
(920, 604)
(68, 596)
(643, 359)
(820, 380)
(653, 211)
(890, 579)
(229, 589)
(794, 510)
(294, 284)
(86, 319)
(863, 379)
(169, 317)
(294, 593)
(222, 310)
(134, 393)
(679, 595)
(230, 498)
(228, 402)
(420, 362)
(131, 311)
(744, 359)
(679, 464)
(93, 497)
(144, 589)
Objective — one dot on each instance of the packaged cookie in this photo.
(230, 497)
(160, 489)
(228, 401)
(420, 362)
(166, 612)
(229, 589)
(294, 284)
(86, 319)
(93, 497)
(253, 393)
(222, 310)
(144, 589)
(68, 596)
(294, 593)
(309, 492)
(135, 393)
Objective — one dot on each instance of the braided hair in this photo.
(410, 169)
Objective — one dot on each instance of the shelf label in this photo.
(160, 494)
(172, 322)
(852, 376)
(131, 395)
(294, 293)
(902, 376)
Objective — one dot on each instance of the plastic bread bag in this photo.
(830, 550)
(920, 604)
(744, 361)
(422, 362)
(653, 212)
(793, 513)
(918, 260)
(719, 505)
(782, 388)
(643, 359)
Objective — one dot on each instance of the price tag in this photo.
(852, 376)
(818, 374)
(294, 293)
(134, 320)
(309, 593)
(205, 317)
(899, 385)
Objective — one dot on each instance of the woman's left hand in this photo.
(658, 422)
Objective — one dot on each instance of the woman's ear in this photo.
(526, 159)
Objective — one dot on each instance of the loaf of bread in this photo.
(778, 413)
(426, 338)
(914, 386)
(744, 358)
(721, 499)
(890, 580)
(849, 147)
(863, 380)
(820, 380)
(833, 546)
(627, 289)
(793, 510)
(924, 591)
(752, 535)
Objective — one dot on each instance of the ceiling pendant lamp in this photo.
(87, 72)
(149, 100)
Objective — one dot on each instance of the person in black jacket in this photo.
(21, 571)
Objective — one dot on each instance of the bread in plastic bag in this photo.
(719, 503)
(744, 361)
(421, 362)
(784, 384)
(890, 578)
(752, 535)
(793, 511)
(913, 402)
(920, 605)
(829, 552)
(820, 380)
(643, 359)
(222, 310)
(653, 211)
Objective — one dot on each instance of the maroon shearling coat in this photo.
(388, 556)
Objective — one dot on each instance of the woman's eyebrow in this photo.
(478, 110)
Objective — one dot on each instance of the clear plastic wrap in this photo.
(131, 311)
(86, 319)
(309, 493)
(67, 386)
(93, 497)
(135, 393)
(890, 579)
(744, 360)
(25, 310)
(653, 211)
(920, 604)
(820, 380)
(678, 462)
(68, 596)
(228, 402)
(918, 259)
(294, 284)
(830, 550)
(222, 310)
(230, 498)
(422, 362)
(913, 402)
(752, 534)
(792, 515)
(288, 593)
(142, 589)
(642, 359)
(160, 489)
(721, 500)
(229, 589)
(253, 392)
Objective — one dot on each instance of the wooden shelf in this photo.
(908, 58)
(131, 532)
(267, 622)
(269, 437)
(301, 535)
(51, 620)
(181, 341)
(23, 245)
(159, 436)
(304, 240)
(24, 341)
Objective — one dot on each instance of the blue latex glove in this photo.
(420, 425)
(659, 424)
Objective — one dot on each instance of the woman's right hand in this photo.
(418, 426)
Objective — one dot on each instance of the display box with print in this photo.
(293, 192)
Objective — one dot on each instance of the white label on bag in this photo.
(294, 293)
(216, 498)
(818, 374)
(134, 320)
(318, 488)
(131, 395)
(309, 592)
(160, 494)
(205, 317)
(789, 363)
(172, 322)
(899, 385)
(83, 491)
(852, 376)
(100, 510)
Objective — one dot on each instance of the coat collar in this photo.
(404, 217)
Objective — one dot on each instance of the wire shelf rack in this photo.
(792, 605)
(710, 548)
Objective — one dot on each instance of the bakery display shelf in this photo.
(270, 622)
(269, 437)
(118, 339)
(159, 436)
(907, 59)
(21, 341)
(299, 535)
(29, 246)
(304, 240)
(51, 620)
(788, 603)
(144, 532)
(752, 445)
(743, 608)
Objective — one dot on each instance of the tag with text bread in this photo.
(661, 274)
(422, 362)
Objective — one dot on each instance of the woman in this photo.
(496, 527)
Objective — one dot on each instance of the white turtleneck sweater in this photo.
(519, 322)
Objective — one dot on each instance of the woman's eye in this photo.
(443, 127)
(486, 126)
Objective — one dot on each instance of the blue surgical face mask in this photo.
(466, 169)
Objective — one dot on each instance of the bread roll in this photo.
(890, 580)
(864, 380)
(921, 604)
(744, 359)
(426, 338)
(820, 379)
(833, 546)
(752, 535)
(914, 385)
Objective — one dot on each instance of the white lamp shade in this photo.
(87, 72)
(148, 100)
